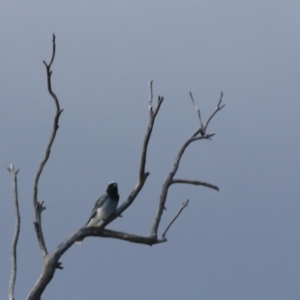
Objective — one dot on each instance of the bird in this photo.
(104, 207)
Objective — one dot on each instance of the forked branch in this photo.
(39, 206)
(199, 134)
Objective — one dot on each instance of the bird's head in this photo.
(112, 188)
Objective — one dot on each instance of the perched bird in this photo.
(105, 206)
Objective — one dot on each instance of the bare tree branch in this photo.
(195, 182)
(12, 282)
(142, 174)
(39, 206)
(101, 232)
(130, 237)
(184, 205)
(51, 261)
(169, 180)
(152, 116)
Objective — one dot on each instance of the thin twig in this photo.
(184, 205)
(147, 138)
(38, 206)
(219, 107)
(198, 111)
(195, 182)
(150, 95)
(13, 276)
(152, 116)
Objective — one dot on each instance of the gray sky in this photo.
(240, 243)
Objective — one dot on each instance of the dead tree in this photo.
(51, 260)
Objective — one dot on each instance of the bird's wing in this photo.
(98, 204)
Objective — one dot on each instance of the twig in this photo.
(150, 95)
(38, 206)
(198, 111)
(195, 182)
(219, 107)
(184, 205)
(13, 276)
(152, 116)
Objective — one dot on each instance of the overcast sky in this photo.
(242, 242)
